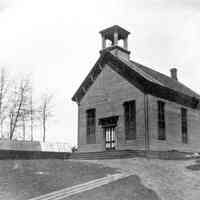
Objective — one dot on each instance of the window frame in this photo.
(161, 120)
(130, 120)
(91, 125)
(184, 125)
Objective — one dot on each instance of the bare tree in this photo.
(18, 107)
(29, 115)
(32, 114)
(18, 112)
(24, 118)
(45, 112)
(4, 86)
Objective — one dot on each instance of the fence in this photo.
(18, 145)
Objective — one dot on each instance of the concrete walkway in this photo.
(61, 194)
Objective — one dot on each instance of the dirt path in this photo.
(76, 189)
(169, 179)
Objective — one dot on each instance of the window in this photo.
(91, 125)
(184, 125)
(161, 120)
(130, 120)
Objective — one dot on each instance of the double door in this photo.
(110, 137)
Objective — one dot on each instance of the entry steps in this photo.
(111, 154)
(119, 154)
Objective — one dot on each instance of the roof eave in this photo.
(75, 97)
(146, 86)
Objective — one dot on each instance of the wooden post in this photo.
(126, 43)
(103, 42)
(115, 38)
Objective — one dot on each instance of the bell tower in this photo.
(114, 34)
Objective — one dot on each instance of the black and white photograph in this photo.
(99, 100)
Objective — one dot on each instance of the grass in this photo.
(24, 179)
(129, 188)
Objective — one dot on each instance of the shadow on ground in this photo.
(24, 179)
(195, 167)
(127, 189)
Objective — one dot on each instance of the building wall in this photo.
(107, 95)
(173, 127)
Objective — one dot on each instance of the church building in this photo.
(124, 105)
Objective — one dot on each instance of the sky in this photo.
(58, 42)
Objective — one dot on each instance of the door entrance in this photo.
(108, 124)
(110, 137)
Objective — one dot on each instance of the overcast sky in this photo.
(58, 42)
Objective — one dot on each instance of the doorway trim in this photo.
(109, 125)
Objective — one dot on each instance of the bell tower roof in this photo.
(108, 33)
(114, 34)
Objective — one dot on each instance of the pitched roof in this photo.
(166, 80)
(146, 79)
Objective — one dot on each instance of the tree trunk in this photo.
(17, 116)
(31, 129)
(44, 122)
(2, 129)
(24, 128)
(10, 133)
(31, 115)
(44, 130)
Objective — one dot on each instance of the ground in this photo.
(151, 179)
(23, 179)
(129, 188)
(167, 179)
